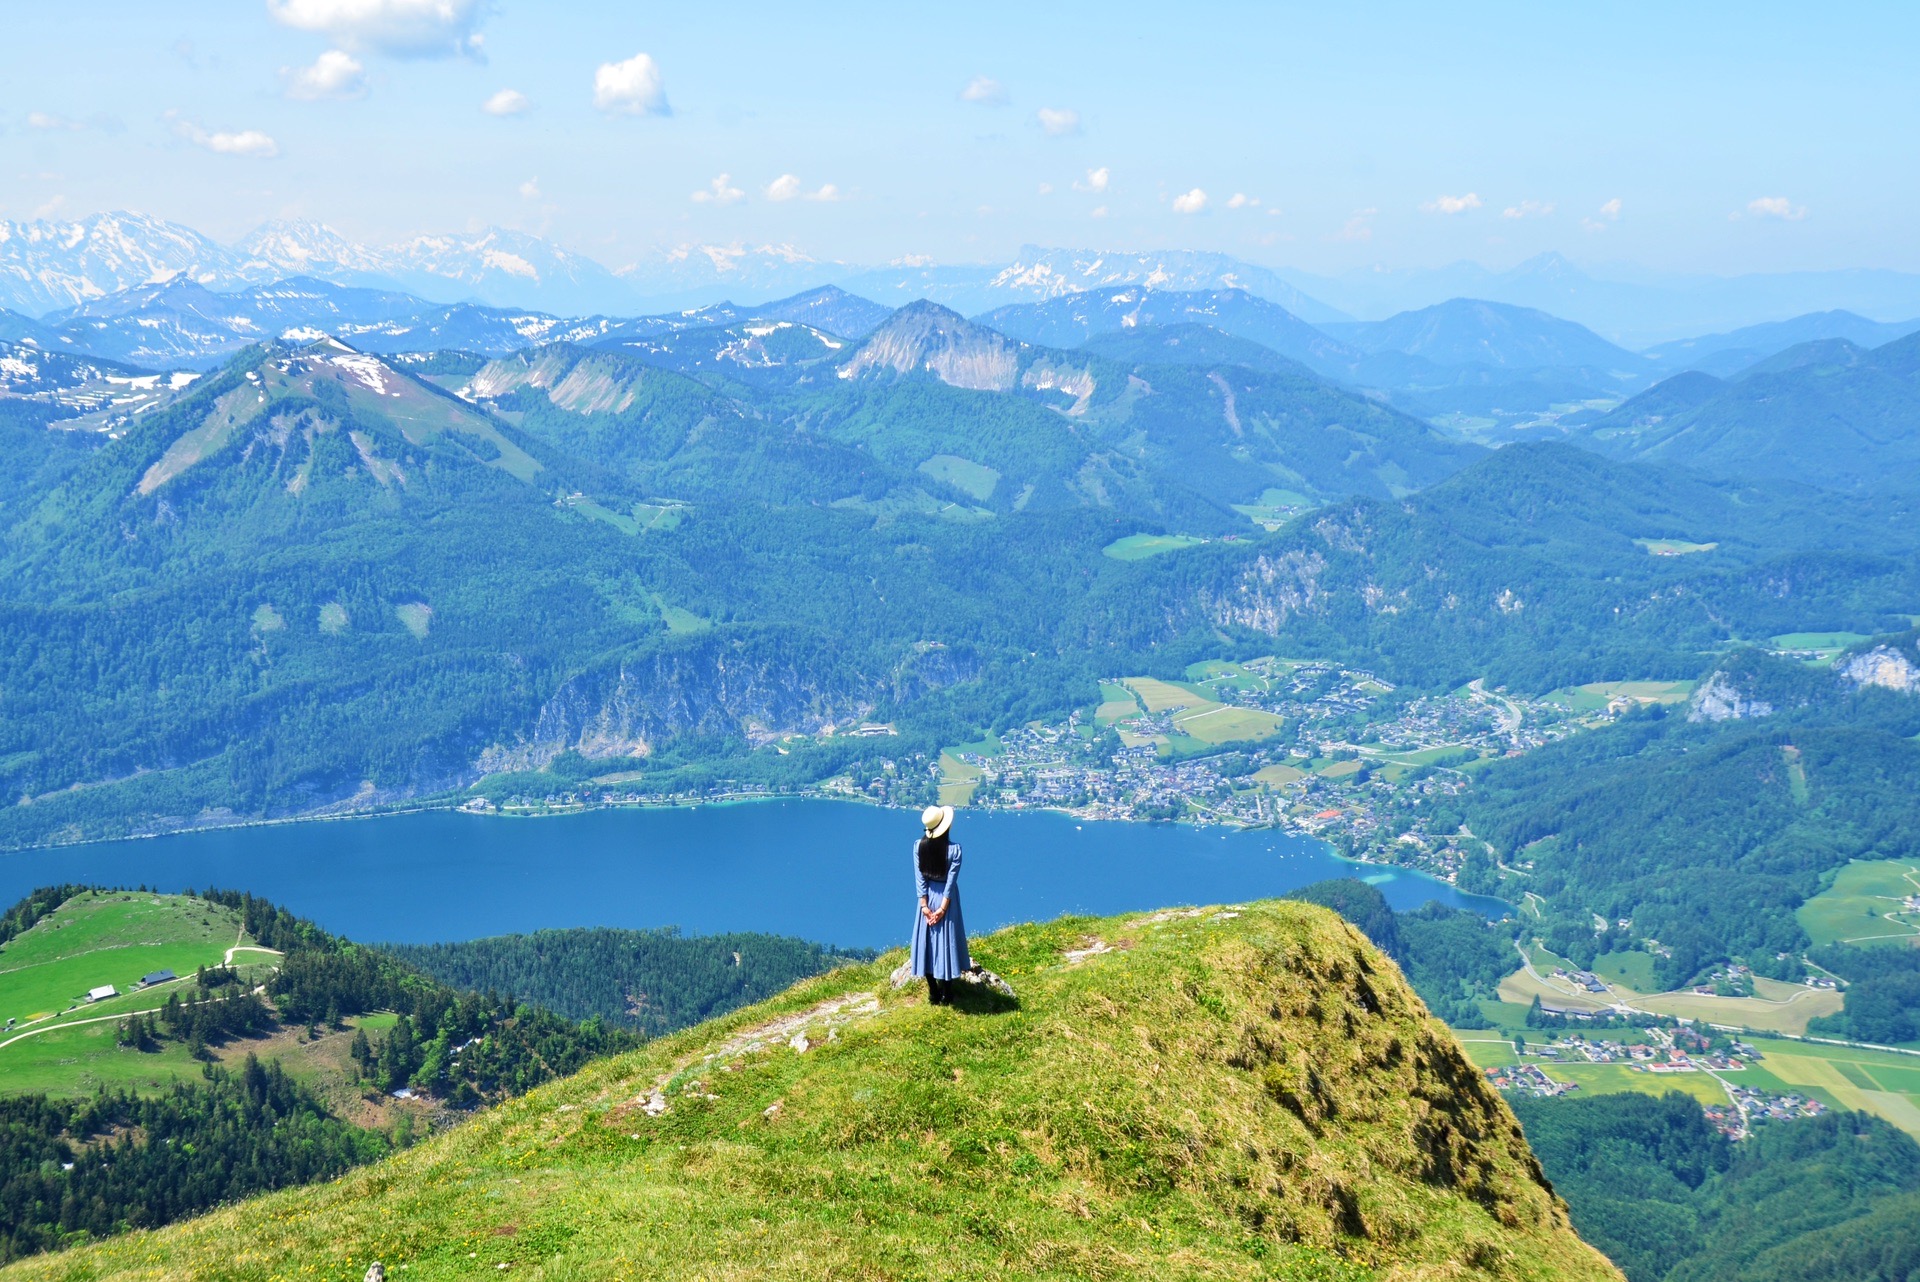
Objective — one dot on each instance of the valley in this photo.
(1427, 610)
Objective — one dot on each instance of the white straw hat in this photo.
(936, 820)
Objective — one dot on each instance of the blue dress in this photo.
(939, 952)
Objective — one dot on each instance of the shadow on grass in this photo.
(978, 999)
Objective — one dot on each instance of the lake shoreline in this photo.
(828, 869)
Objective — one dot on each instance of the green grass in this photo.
(1275, 508)
(1620, 1079)
(1116, 704)
(958, 780)
(1257, 1096)
(1877, 1082)
(1816, 640)
(659, 516)
(976, 480)
(1634, 969)
(83, 1059)
(681, 621)
(606, 516)
(1596, 695)
(1138, 547)
(1219, 725)
(108, 938)
(1854, 909)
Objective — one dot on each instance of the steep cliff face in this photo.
(1248, 1092)
(927, 337)
(1887, 666)
(757, 686)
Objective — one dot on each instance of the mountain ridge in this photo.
(1241, 1092)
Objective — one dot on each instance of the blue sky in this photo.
(1724, 138)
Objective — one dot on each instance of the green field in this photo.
(1674, 547)
(1816, 640)
(1138, 547)
(1878, 1082)
(975, 480)
(110, 938)
(1162, 696)
(1632, 969)
(958, 780)
(64, 1045)
(1200, 723)
(1219, 724)
(664, 515)
(1275, 508)
(1116, 704)
(1865, 905)
(82, 1059)
(1596, 695)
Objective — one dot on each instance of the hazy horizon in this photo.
(1721, 141)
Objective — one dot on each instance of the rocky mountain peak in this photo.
(926, 337)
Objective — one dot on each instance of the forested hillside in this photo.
(469, 1025)
(1668, 1198)
(316, 580)
(654, 981)
(1825, 412)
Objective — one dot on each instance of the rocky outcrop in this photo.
(1719, 699)
(755, 686)
(1883, 666)
(1268, 592)
(925, 337)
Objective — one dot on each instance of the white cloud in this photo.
(1059, 122)
(1451, 204)
(404, 28)
(334, 74)
(1046, 189)
(984, 91)
(1528, 209)
(1191, 202)
(1240, 200)
(1776, 207)
(1357, 227)
(1097, 180)
(787, 187)
(530, 189)
(507, 102)
(244, 142)
(720, 191)
(631, 88)
(1100, 211)
(1608, 213)
(47, 120)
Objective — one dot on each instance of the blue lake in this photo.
(836, 872)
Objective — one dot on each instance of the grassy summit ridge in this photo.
(1224, 1094)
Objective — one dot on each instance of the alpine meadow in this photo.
(545, 554)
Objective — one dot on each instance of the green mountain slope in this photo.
(1247, 1093)
(1824, 412)
(1532, 567)
(1669, 1198)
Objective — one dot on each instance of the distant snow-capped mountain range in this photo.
(107, 263)
(48, 267)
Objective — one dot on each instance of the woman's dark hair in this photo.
(931, 854)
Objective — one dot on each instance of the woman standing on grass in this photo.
(939, 936)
